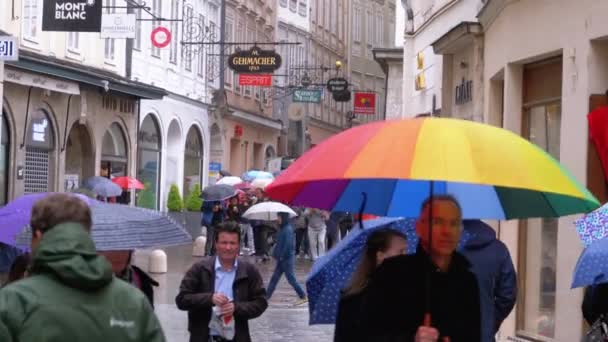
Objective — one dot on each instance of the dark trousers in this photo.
(287, 267)
(259, 240)
(301, 241)
(210, 245)
(345, 227)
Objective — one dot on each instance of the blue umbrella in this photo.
(331, 272)
(255, 174)
(102, 186)
(592, 265)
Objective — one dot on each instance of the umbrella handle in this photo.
(427, 319)
(362, 209)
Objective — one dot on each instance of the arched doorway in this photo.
(39, 153)
(193, 160)
(148, 161)
(79, 157)
(5, 147)
(114, 153)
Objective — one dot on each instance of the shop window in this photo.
(149, 156)
(193, 160)
(114, 155)
(5, 147)
(538, 254)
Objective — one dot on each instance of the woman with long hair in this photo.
(381, 244)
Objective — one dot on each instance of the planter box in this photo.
(193, 223)
(177, 216)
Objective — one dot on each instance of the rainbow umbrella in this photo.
(492, 172)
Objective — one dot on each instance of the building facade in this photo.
(372, 25)
(244, 134)
(328, 28)
(425, 22)
(174, 134)
(67, 106)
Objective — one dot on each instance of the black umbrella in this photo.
(218, 192)
(225, 173)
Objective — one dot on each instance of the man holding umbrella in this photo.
(430, 294)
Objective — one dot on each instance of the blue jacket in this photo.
(493, 267)
(285, 249)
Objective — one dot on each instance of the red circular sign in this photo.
(161, 37)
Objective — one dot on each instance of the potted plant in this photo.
(175, 205)
(194, 202)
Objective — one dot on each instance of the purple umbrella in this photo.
(593, 226)
(16, 215)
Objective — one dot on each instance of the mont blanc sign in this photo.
(72, 15)
(255, 60)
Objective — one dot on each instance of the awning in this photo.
(457, 38)
(54, 67)
(256, 119)
(40, 81)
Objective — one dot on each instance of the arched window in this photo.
(114, 154)
(148, 161)
(39, 161)
(193, 160)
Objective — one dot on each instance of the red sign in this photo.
(259, 80)
(161, 37)
(238, 131)
(365, 103)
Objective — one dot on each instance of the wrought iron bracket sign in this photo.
(337, 85)
(72, 15)
(255, 60)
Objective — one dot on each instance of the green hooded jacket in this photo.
(72, 295)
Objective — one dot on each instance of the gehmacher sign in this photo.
(255, 60)
(72, 15)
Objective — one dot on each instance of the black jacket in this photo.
(348, 321)
(595, 302)
(198, 286)
(146, 284)
(396, 299)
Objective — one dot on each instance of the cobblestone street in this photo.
(282, 321)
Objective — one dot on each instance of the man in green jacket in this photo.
(71, 293)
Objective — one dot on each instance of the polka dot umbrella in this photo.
(592, 265)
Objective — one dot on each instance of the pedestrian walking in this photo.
(8, 255)
(333, 229)
(225, 284)
(284, 254)
(123, 269)
(316, 231)
(246, 228)
(300, 224)
(492, 265)
(70, 293)
(380, 245)
(396, 306)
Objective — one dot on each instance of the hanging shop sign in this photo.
(307, 96)
(259, 80)
(9, 48)
(337, 85)
(238, 131)
(161, 37)
(118, 26)
(255, 60)
(71, 15)
(365, 103)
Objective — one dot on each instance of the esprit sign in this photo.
(255, 60)
(255, 80)
(71, 15)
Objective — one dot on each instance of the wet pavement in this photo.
(282, 321)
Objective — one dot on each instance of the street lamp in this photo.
(338, 64)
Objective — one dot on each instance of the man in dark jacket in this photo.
(493, 267)
(70, 293)
(399, 306)
(284, 253)
(233, 285)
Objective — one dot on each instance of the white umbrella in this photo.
(230, 180)
(261, 183)
(267, 211)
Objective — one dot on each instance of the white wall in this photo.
(285, 15)
(186, 114)
(176, 78)
(428, 30)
